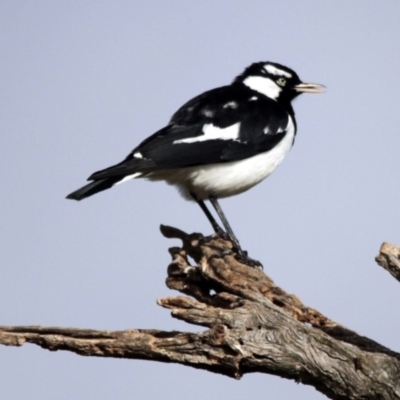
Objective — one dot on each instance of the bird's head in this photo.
(276, 81)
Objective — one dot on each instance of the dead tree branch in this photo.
(389, 259)
(252, 326)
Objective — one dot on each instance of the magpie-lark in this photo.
(220, 143)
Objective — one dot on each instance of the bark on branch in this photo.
(389, 259)
(252, 326)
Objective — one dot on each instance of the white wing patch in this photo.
(263, 85)
(230, 178)
(212, 132)
(280, 129)
(208, 113)
(276, 71)
(231, 104)
(138, 155)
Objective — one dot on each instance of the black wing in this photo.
(262, 125)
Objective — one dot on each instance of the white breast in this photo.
(231, 178)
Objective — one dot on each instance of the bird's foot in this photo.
(221, 254)
(243, 257)
(220, 234)
(240, 256)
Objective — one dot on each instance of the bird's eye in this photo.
(281, 81)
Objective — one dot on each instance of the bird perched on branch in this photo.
(219, 144)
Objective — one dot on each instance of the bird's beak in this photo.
(309, 88)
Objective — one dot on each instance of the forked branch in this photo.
(252, 326)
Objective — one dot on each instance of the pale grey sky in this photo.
(83, 82)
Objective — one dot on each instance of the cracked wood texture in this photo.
(389, 259)
(252, 326)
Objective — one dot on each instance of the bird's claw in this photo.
(221, 254)
(243, 257)
(221, 234)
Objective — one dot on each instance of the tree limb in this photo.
(253, 326)
(389, 259)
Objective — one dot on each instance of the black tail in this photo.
(93, 188)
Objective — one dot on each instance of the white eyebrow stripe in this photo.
(263, 85)
(212, 132)
(276, 71)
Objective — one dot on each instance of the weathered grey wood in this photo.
(252, 326)
(389, 259)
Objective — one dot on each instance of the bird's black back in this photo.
(262, 125)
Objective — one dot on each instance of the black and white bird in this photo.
(219, 144)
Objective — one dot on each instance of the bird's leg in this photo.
(229, 231)
(218, 230)
(242, 254)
